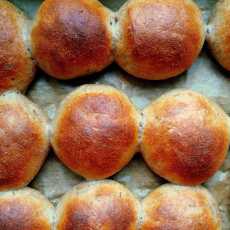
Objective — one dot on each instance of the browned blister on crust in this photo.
(185, 137)
(180, 208)
(16, 64)
(23, 138)
(96, 131)
(72, 38)
(158, 39)
(25, 209)
(96, 206)
(218, 36)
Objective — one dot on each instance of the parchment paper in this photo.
(205, 76)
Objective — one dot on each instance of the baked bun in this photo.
(95, 132)
(25, 209)
(180, 208)
(158, 39)
(96, 206)
(185, 137)
(72, 38)
(218, 33)
(23, 138)
(16, 64)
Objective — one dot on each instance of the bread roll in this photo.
(16, 65)
(25, 209)
(72, 38)
(95, 132)
(23, 138)
(180, 208)
(218, 35)
(185, 137)
(158, 39)
(96, 206)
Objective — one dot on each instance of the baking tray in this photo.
(205, 76)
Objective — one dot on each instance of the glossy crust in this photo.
(185, 137)
(23, 138)
(158, 39)
(72, 38)
(96, 131)
(16, 65)
(180, 208)
(96, 206)
(218, 35)
(25, 209)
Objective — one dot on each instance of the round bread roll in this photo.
(218, 33)
(23, 138)
(185, 137)
(180, 208)
(25, 209)
(95, 132)
(158, 39)
(72, 38)
(16, 64)
(96, 206)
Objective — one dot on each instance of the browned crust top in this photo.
(71, 38)
(96, 133)
(24, 142)
(103, 206)
(180, 208)
(186, 137)
(159, 39)
(16, 65)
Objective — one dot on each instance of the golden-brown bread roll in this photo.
(180, 208)
(95, 132)
(185, 137)
(25, 209)
(23, 138)
(218, 33)
(158, 39)
(102, 205)
(16, 64)
(72, 38)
